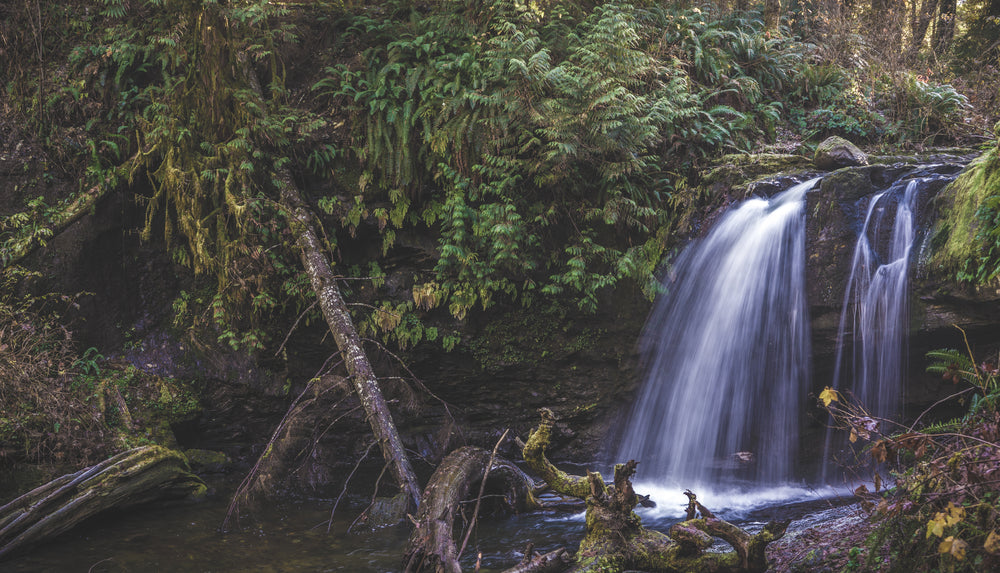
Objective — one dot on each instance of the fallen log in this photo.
(141, 475)
(615, 539)
(432, 546)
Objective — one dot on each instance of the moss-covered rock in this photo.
(960, 249)
(740, 171)
(835, 152)
(207, 461)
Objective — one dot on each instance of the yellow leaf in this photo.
(828, 395)
(854, 435)
(992, 544)
(945, 546)
(936, 525)
(958, 549)
(955, 514)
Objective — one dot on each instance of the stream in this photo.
(287, 536)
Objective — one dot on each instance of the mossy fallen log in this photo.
(432, 546)
(140, 475)
(615, 539)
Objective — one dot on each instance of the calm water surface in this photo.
(292, 536)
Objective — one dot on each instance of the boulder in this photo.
(836, 152)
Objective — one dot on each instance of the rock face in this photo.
(835, 152)
(835, 214)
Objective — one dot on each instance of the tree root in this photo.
(615, 539)
(432, 546)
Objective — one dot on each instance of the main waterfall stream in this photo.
(727, 355)
(726, 350)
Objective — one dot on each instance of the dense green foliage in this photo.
(546, 151)
(463, 152)
(550, 149)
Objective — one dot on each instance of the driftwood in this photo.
(551, 562)
(432, 546)
(615, 539)
(141, 475)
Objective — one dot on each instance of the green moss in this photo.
(529, 338)
(964, 240)
(206, 460)
(739, 170)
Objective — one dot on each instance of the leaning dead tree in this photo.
(324, 283)
(615, 539)
(141, 475)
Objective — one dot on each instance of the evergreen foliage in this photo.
(550, 149)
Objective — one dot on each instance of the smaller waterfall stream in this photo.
(727, 354)
(873, 335)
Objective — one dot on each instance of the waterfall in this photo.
(726, 351)
(875, 316)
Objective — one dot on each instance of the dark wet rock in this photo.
(207, 461)
(835, 152)
(834, 216)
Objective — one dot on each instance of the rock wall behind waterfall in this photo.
(834, 218)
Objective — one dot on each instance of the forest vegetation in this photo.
(543, 154)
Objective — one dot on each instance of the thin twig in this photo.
(371, 504)
(346, 482)
(98, 563)
(294, 326)
(416, 380)
(934, 405)
(479, 498)
(244, 488)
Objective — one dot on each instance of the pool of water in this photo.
(292, 536)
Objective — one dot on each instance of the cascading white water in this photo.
(727, 354)
(872, 337)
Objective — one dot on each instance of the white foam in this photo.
(727, 502)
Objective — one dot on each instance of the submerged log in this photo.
(615, 539)
(432, 545)
(141, 475)
(551, 562)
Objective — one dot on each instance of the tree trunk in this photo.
(141, 475)
(324, 284)
(920, 24)
(944, 27)
(615, 539)
(772, 15)
(432, 546)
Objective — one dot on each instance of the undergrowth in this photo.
(943, 511)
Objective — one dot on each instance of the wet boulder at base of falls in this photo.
(835, 152)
